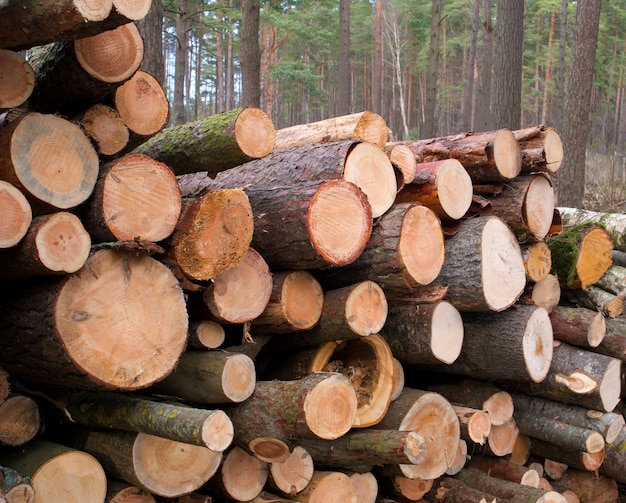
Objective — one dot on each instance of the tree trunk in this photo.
(55, 244)
(493, 156)
(344, 96)
(537, 261)
(424, 333)
(18, 88)
(213, 144)
(542, 149)
(50, 160)
(20, 420)
(106, 128)
(151, 29)
(17, 215)
(209, 428)
(447, 190)
(484, 267)
(433, 69)
(63, 331)
(614, 464)
(250, 56)
(578, 325)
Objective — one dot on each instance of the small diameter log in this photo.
(215, 143)
(580, 255)
(50, 160)
(17, 215)
(205, 334)
(119, 300)
(480, 395)
(504, 469)
(55, 244)
(365, 126)
(588, 486)
(213, 233)
(403, 159)
(94, 65)
(122, 492)
(268, 497)
(502, 438)
(210, 377)
(578, 326)
(579, 377)
(614, 342)
(270, 450)
(240, 293)
(537, 260)
(241, 476)
(459, 460)
(294, 473)
(451, 490)
(132, 9)
(475, 424)
(328, 487)
(398, 377)
(15, 487)
(368, 446)
(595, 298)
(406, 489)
(542, 149)
(614, 223)
(106, 129)
(424, 333)
(432, 417)
(572, 458)
(160, 466)
(405, 252)
(208, 428)
(609, 424)
(614, 279)
(488, 157)
(18, 79)
(57, 472)
(546, 293)
(320, 405)
(614, 464)
(20, 421)
(447, 189)
(296, 304)
(484, 267)
(366, 486)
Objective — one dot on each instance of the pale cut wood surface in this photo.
(17, 215)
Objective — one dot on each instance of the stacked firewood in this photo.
(220, 311)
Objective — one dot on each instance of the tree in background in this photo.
(250, 53)
(345, 82)
(428, 130)
(151, 29)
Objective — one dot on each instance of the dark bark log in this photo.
(614, 223)
(614, 464)
(542, 149)
(578, 326)
(537, 261)
(20, 420)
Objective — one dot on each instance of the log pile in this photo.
(220, 311)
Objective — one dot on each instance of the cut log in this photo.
(160, 466)
(424, 333)
(407, 489)
(614, 342)
(268, 497)
(447, 189)
(106, 129)
(460, 459)
(521, 450)
(125, 301)
(614, 223)
(572, 458)
(403, 159)
(578, 325)
(609, 424)
(15, 487)
(328, 487)
(546, 293)
(398, 375)
(94, 65)
(433, 417)
(20, 420)
(270, 450)
(451, 490)
(296, 304)
(50, 160)
(580, 255)
(366, 486)
(504, 469)
(404, 253)
(579, 377)
(57, 472)
(480, 395)
(365, 126)
(589, 487)
(363, 164)
(537, 261)
(215, 143)
(294, 473)
(598, 299)
(484, 267)
(552, 469)
(18, 79)
(492, 156)
(205, 334)
(242, 292)
(475, 424)
(520, 339)
(132, 9)
(121, 492)
(208, 428)
(213, 234)
(542, 149)
(17, 215)
(614, 464)
(210, 377)
(614, 279)
(502, 438)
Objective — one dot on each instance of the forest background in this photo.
(428, 68)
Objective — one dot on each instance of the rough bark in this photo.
(542, 149)
(329, 487)
(578, 325)
(614, 279)
(597, 299)
(17, 215)
(614, 223)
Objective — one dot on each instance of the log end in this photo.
(507, 154)
(255, 133)
(502, 438)
(63, 243)
(134, 10)
(366, 308)
(269, 449)
(293, 474)
(238, 377)
(16, 215)
(539, 206)
(537, 261)
(537, 344)
(610, 387)
(94, 10)
(594, 257)
(404, 159)
(547, 292)
(447, 333)
(372, 128)
(106, 128)
(553, 148)
(454, 188)
(218, 431)
(302, 299)
(18, 79)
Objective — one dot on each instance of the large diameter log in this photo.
(118, 323)
(484, 267)
(614, 223)
(365, 126)
(431, 416)
(18, 79)
(542, 149)
(215, 143)
(210, 377)
(424, 333)
(17, 215)
(405, 252)
(447, 189)
(106, 129)
(94, 65)
(55, 244)
(208, 428)
(487, 157)
(578, 325)
(50, 160)
(58, 472)
(581, 255)
(20, 420)
(160, 466)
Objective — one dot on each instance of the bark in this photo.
(424, 333)
(588, 486)
(614, 223)
(614, 464)
(241, 476)
(209, 428)
(20, 81)
(63, 331)
(250, 53)
(614, 342)
(294, 473)
(213, 144)
(20, 420)
(537, 261)
(344, 94)
(614, 279)
(72, 76)
(572, 458)
(55, 244)
(15, 486)
(484, 267)
(451, 490)
(17, 215)
(447, 189)
(504, 469)
(493, 156)
(597, 299)
(542, 149)
(106, 128)
(50, 160)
